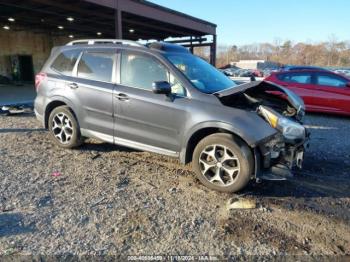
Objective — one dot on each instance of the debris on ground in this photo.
(241, 203)
(95, 156)
(56, 174)
(16, 109)
(138, 203)
(98, 201)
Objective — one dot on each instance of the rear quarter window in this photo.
(331, 80)
(65, 61)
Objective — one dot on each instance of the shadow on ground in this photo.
(329, 179)
(13, 224)
(104, 148)
(20, 130)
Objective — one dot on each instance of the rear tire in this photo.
(64, 128)
(223, 163)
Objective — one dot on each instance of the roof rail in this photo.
(105, 41)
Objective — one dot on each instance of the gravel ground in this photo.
(109, 200)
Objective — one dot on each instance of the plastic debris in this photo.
(241, 203)
(16, 109)
(56, 174)
(96, 156)
(98, 201)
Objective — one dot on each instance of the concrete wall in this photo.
(248, 64)
(26, 43)
(255, 64)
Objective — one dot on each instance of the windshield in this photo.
(203, 76)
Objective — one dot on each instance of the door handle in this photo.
(122, 97)
(73, 85)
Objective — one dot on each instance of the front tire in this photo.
(223, 163)
(64, 128)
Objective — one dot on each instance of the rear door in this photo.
(144, 119)
(61, 70)
(334, 89)
(91, 91)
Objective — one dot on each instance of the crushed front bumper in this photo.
(276, 158)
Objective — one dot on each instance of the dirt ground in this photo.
(112, 201)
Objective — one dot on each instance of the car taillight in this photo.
(38, 79)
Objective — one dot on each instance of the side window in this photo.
(65, 62)
(281, 77)
(300, 78)
(96, 66)
(330, 80)
(140, 71)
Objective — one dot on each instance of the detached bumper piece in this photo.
(277, 159)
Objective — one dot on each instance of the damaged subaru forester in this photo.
(161, 98)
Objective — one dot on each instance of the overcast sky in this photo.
(244, 22)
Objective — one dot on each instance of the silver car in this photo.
(161, 98)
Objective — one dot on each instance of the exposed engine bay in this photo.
(252, 95)
(284, 111)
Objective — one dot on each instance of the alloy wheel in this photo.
(62, 128)
(219, 165)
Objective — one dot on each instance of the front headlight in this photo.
(289, 129)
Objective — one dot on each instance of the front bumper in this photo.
(277, 158)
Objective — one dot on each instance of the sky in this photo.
(243, 22)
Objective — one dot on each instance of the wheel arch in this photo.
(54, 103)
(205, 130)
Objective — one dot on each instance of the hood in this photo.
(295, 100)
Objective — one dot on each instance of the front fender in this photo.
(253, 132)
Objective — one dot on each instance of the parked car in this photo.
(230, 71)
(322, 91)
(163, 99)
(298, 68)
(345, 72)
(243, 73)
(257, 73)
(267, 72)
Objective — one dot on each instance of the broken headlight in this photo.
(290, 130)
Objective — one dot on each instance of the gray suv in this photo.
(160, 98)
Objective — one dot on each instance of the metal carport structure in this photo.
(123, 19)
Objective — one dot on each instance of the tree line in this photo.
(331, 53)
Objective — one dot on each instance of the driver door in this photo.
(143, 119)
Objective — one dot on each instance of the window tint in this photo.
(330, 80)
(140, 71)
(96, 66)
(65, 62)
(300, 78)
(203, 76)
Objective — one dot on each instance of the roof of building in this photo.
(140, 19)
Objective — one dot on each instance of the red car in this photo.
(322, 91)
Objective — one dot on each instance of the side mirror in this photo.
(161, 87)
